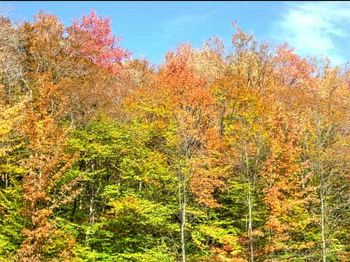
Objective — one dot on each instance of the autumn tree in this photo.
(11, 153)
(288, 192)
(327, 127)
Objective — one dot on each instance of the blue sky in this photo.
(150, 29)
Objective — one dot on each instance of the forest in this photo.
(221, 153)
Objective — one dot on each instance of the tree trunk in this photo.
(250, 207)
(183, 218)
(91, 216)
(323, 238)
(222, 116)
(322, 191)
(75, 204)
(250, 227)
(6, 181)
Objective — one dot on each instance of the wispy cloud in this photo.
(181, 23)
(5, 9)
(316, 29)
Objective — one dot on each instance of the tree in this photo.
(245, 134)
(327, 131)
(287, 194)
(11, 152)
(92, 39)
(45, 165)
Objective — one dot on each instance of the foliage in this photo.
(217, 154)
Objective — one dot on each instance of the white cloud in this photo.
(316, 29)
